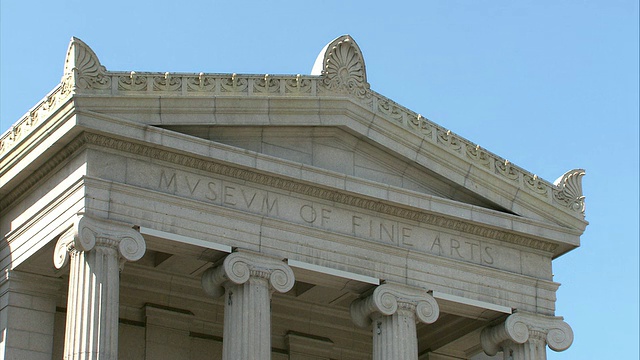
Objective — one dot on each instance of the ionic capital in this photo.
(522, 327)
(238, 267)
(387, 299)
(88, 233)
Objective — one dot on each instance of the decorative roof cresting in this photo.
(82, 69)
(339, 70)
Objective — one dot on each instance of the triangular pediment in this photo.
(393, 145)
(337, 150)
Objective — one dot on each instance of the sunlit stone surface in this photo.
(337, 223)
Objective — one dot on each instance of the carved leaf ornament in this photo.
(82, 69)
(342, 66)
(569, 190)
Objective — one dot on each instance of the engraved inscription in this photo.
(398, 233)
(346, 221)
(219, 192)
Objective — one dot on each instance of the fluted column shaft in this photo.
(96, 250)
(534, 348)
(524, 336)
(394, 336)
(393, 310)
(247, 280)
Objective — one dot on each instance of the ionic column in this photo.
(247, 280)
(393, 310)
(96, 249)
(524, 336)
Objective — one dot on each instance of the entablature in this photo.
(206, 161)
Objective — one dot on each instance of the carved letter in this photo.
(390, 234)
(471, 245)
(308, 214)
(455, 245)
(247, 201)
(213, 194)
(324, 216)
(406, 234)
(173, 181)
(228, 197)
(486, 251)
(436, 242)
(355, 222)
(266, 207)
(192, 189)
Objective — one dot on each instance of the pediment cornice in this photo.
(339, 72)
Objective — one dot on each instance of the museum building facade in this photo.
(226, 216)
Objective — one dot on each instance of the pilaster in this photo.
(167, 333)
(27, 315)
(393, 310)
(97, 250)
(524, 336)
(247, 280)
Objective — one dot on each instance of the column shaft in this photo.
(247, 279)
(247, 324)
(525, 336)
(96, 249)
(93, 305)
(394, 336)
(392, 310)
(530, 350)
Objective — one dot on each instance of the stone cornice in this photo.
(256, 177)
(339, 72)
(40, 173)
(33, 119)
(28, 283)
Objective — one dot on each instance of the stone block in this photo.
(41, 342)
(30, 320)
(17, 339)
(20, 354)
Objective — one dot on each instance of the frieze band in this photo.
(275, 182)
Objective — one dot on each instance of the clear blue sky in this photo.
(549, 85)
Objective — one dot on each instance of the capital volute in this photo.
(387, 299)
(523, 327)
(88, 233)
(239, 266)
